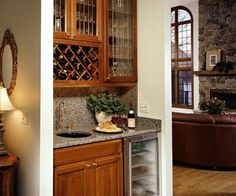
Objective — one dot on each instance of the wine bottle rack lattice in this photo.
(75, 62)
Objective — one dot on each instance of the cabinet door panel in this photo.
(86, 22)
(62, 18)
(108, 176)
(121, 41)
(72, 179)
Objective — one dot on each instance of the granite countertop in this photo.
(143, 126)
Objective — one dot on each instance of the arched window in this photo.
(182, 57)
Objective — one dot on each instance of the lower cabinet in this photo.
(89, 170)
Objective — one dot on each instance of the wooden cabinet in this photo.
(8, 168)
(93, 169)
(95, 43)
(78, 19)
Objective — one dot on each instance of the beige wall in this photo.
(28, 141)
(154, 77)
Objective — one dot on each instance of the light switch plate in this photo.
(144, 107)
(24, 119)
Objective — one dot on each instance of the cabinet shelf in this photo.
(215, 73)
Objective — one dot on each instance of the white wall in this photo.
(32, 143)
(192, 5)
(154, 76)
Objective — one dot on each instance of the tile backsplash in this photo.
(75, 112)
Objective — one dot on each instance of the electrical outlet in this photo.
(144, 107)
(24, 118)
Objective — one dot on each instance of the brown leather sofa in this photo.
(204, 140)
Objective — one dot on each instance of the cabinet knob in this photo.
(95, 164)
(74, 36)
(68, 34)
(89, 165)
(108, 78)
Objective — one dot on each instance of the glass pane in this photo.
(173, 17)
(173, 81)
(185, 87)
(59, 23)
(86, 16)
(184, 39)
(144, 168)
(185, 64)
(172, 42)
(183, 15)
(121, 38)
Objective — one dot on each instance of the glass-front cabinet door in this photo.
(61, 19)
(121, 47)
(78, 19)
(86, 23)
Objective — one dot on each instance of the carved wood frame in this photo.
(8, 39)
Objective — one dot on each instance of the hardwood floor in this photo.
(197, 182)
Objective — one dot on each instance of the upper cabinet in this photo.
(95, 43)
(78, 19)
(121, 41)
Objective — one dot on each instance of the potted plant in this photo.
(104, 105)
(212, 106)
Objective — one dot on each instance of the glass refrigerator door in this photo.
(144, 168)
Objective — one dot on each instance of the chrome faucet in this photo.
(59, 115)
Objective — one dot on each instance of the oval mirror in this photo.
(8, 62)
(7, 66)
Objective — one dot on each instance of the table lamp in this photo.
(5, 105)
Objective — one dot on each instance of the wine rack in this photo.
(75, 62)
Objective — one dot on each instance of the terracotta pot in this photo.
(102, 117)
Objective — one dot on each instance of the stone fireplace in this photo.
(217, 27)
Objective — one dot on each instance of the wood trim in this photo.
(215, 73)
(74, 83)
(86, 152)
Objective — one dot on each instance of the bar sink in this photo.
(73, 134)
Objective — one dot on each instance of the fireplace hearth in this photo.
(228, 95)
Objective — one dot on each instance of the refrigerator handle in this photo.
(127, 166)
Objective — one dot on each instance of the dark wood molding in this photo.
(215, 73)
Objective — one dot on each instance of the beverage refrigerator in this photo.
(141, 165)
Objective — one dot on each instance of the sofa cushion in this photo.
(197, 118)
(225, 119)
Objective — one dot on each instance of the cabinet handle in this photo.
(95, 164)
(89, 165)
(68, 34)
(108, 78)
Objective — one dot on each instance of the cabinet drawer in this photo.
(85, 152)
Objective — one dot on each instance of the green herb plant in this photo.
(104, 102)
(213, 106)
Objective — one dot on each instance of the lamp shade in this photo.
(5, 103)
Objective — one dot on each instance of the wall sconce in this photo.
(5, 105)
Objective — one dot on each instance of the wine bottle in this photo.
(131, 118)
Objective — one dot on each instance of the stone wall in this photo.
(217, 30)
